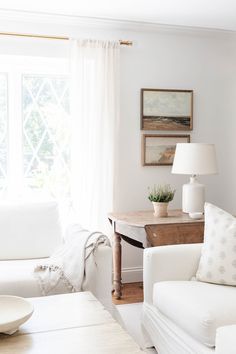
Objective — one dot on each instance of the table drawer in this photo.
(159, 235)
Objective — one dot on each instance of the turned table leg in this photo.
(117, 265)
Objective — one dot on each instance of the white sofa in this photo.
(182, 316)
(31, 232)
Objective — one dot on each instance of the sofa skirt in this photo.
(168, 338)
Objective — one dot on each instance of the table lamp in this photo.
(194, 159)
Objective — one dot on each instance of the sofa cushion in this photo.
(29, 230)
(17, 278)
(218, 259)
(196, 307)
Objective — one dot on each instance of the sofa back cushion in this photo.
(29, 230)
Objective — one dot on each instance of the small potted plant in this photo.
(160, 196)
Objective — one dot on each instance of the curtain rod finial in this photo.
(123, 42)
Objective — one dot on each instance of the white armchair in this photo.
(30, 233)
(182, 316)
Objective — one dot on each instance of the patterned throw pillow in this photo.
(218, 259)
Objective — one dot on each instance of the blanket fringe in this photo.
(62, 277)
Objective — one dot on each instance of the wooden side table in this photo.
(142, 229)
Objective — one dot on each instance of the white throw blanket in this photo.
(67, 264)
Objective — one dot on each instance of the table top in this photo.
(69, 323)
(146, 217)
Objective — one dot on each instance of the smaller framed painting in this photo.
(159, 150)
(165, 109)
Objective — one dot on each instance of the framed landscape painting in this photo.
(166, 109)
(159, 150)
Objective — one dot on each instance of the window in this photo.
(35, 149)
(46, 133)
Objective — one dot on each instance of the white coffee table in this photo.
(69, 324)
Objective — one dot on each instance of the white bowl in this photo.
(14, 311)
(196, 215)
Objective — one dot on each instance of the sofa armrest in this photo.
(98, 266)
(98, 276)
(226, 340)
(175, 262)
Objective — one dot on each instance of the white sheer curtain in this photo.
(95, 112)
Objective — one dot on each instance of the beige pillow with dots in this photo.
(218, 259)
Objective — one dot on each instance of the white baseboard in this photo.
(132, 275)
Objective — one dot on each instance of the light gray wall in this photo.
(205, 63)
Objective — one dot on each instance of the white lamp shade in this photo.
(195, 159)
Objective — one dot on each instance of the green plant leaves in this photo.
(161, 193)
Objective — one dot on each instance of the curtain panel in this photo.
(95, 122)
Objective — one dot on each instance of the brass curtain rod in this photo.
(122, 42)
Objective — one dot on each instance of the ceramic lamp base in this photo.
(193, 197)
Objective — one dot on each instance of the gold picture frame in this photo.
(159, 150)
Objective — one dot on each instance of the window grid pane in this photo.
(46, 133)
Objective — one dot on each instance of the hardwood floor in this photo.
(131, 292)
